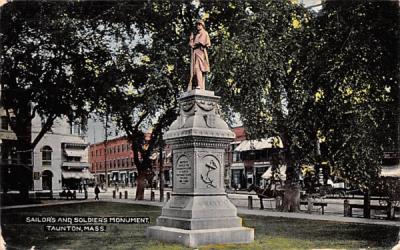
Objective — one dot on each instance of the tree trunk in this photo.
(140, 186)
(26, 175)
(291, 199)
(25, 166)
(21, 125)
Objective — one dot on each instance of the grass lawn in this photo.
(270, 233)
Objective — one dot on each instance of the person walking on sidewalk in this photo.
(96, 192)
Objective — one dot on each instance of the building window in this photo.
(236, 156)
(46, 155)
(4, 122)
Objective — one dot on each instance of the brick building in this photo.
(114, 159)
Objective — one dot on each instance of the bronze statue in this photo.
(199, 65)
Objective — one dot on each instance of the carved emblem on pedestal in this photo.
(207, 179)
(210, 120)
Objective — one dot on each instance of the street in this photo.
(240, 200)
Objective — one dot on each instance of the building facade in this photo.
(9, 162)
(113, 159)
(248, 160)
(60, 158)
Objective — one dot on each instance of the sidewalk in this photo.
(108, 197)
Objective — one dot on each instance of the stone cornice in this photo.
(198, 142)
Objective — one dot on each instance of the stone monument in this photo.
(199, 212)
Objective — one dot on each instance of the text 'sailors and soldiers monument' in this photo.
(199, 212)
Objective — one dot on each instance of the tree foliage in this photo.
(47, 55)
(328, 80)
(253, 71)
(149, 69)
(353, 72)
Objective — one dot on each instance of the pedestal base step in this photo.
(194, 238)
(199, 224)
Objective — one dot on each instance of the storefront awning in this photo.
(237, 165)
(77, 175)
(74, 152)
(391, 171)
(262, 164)
(248, 145)
(75, 145)
(281, 174)
(7, 135)
(75, 165)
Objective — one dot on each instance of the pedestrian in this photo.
(85, 191)
(96, 192)
(69, 194)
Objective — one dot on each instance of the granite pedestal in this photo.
(199, 212)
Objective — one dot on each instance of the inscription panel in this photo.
(183, 176)
(214, 203)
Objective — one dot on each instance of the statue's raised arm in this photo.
(199, 65)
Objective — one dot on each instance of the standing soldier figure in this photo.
(199, 64)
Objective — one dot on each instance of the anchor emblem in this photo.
(207, 180)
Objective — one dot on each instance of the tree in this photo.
(150, 68)
(355, 75)
(253, 74)
(46, 70)
(329, 79)
(353, 70)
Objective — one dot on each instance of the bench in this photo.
(389, 210)
(316, 204)
(44, 194)
(67, 195)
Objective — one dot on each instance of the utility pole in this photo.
(105, 149)
(160, 173)
(95, 165)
